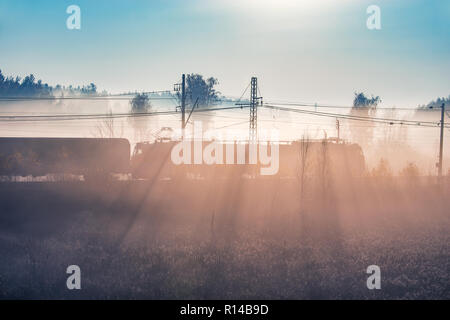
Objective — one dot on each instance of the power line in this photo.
(144, 92)
(101, 116)
(87, 97)
(106, 98)
(243, 93)
(351, 117)
(69, 117)
(315, 105)
(103, 98)
(357, 118)
(232, 125)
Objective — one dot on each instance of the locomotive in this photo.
(154, 160)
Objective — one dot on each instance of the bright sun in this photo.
(279, 4)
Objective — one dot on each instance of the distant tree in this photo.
(201, 89)
(362, 107)
(140, 103)
(361, 101)
(435, 104)
(90, 89)
(382, 170)
(410, 171)
(29, 87)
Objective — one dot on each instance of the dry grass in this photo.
(132, 240)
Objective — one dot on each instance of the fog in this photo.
(398, 144)
(308, 236)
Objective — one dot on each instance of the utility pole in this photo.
(441, 143)
(338, 128)
(183, 102)
(177, 88)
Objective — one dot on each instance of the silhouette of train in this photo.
(327, 157)
(97, 159)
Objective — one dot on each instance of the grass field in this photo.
(239, 240)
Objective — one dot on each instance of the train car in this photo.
(94, 158)
(321, 157)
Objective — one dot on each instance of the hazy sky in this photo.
(303, 50)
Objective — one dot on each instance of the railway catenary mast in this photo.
(253, 105)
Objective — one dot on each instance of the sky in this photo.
(300, 50)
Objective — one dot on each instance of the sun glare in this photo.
(283, 4)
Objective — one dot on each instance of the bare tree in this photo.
(393, 136)
(382, 170)
(107, 128)
(410, 171)
(305, 144)
(324, 173)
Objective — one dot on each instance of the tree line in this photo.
(436, 103)
(30, 87)
(199, 91)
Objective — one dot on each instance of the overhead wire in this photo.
(357, 118)
(22, 118)
(316, 105)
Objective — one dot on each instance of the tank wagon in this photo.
(90, 157)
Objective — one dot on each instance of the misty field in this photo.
(234, 240)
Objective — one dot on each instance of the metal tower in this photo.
(254, 102)
(253, 105)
